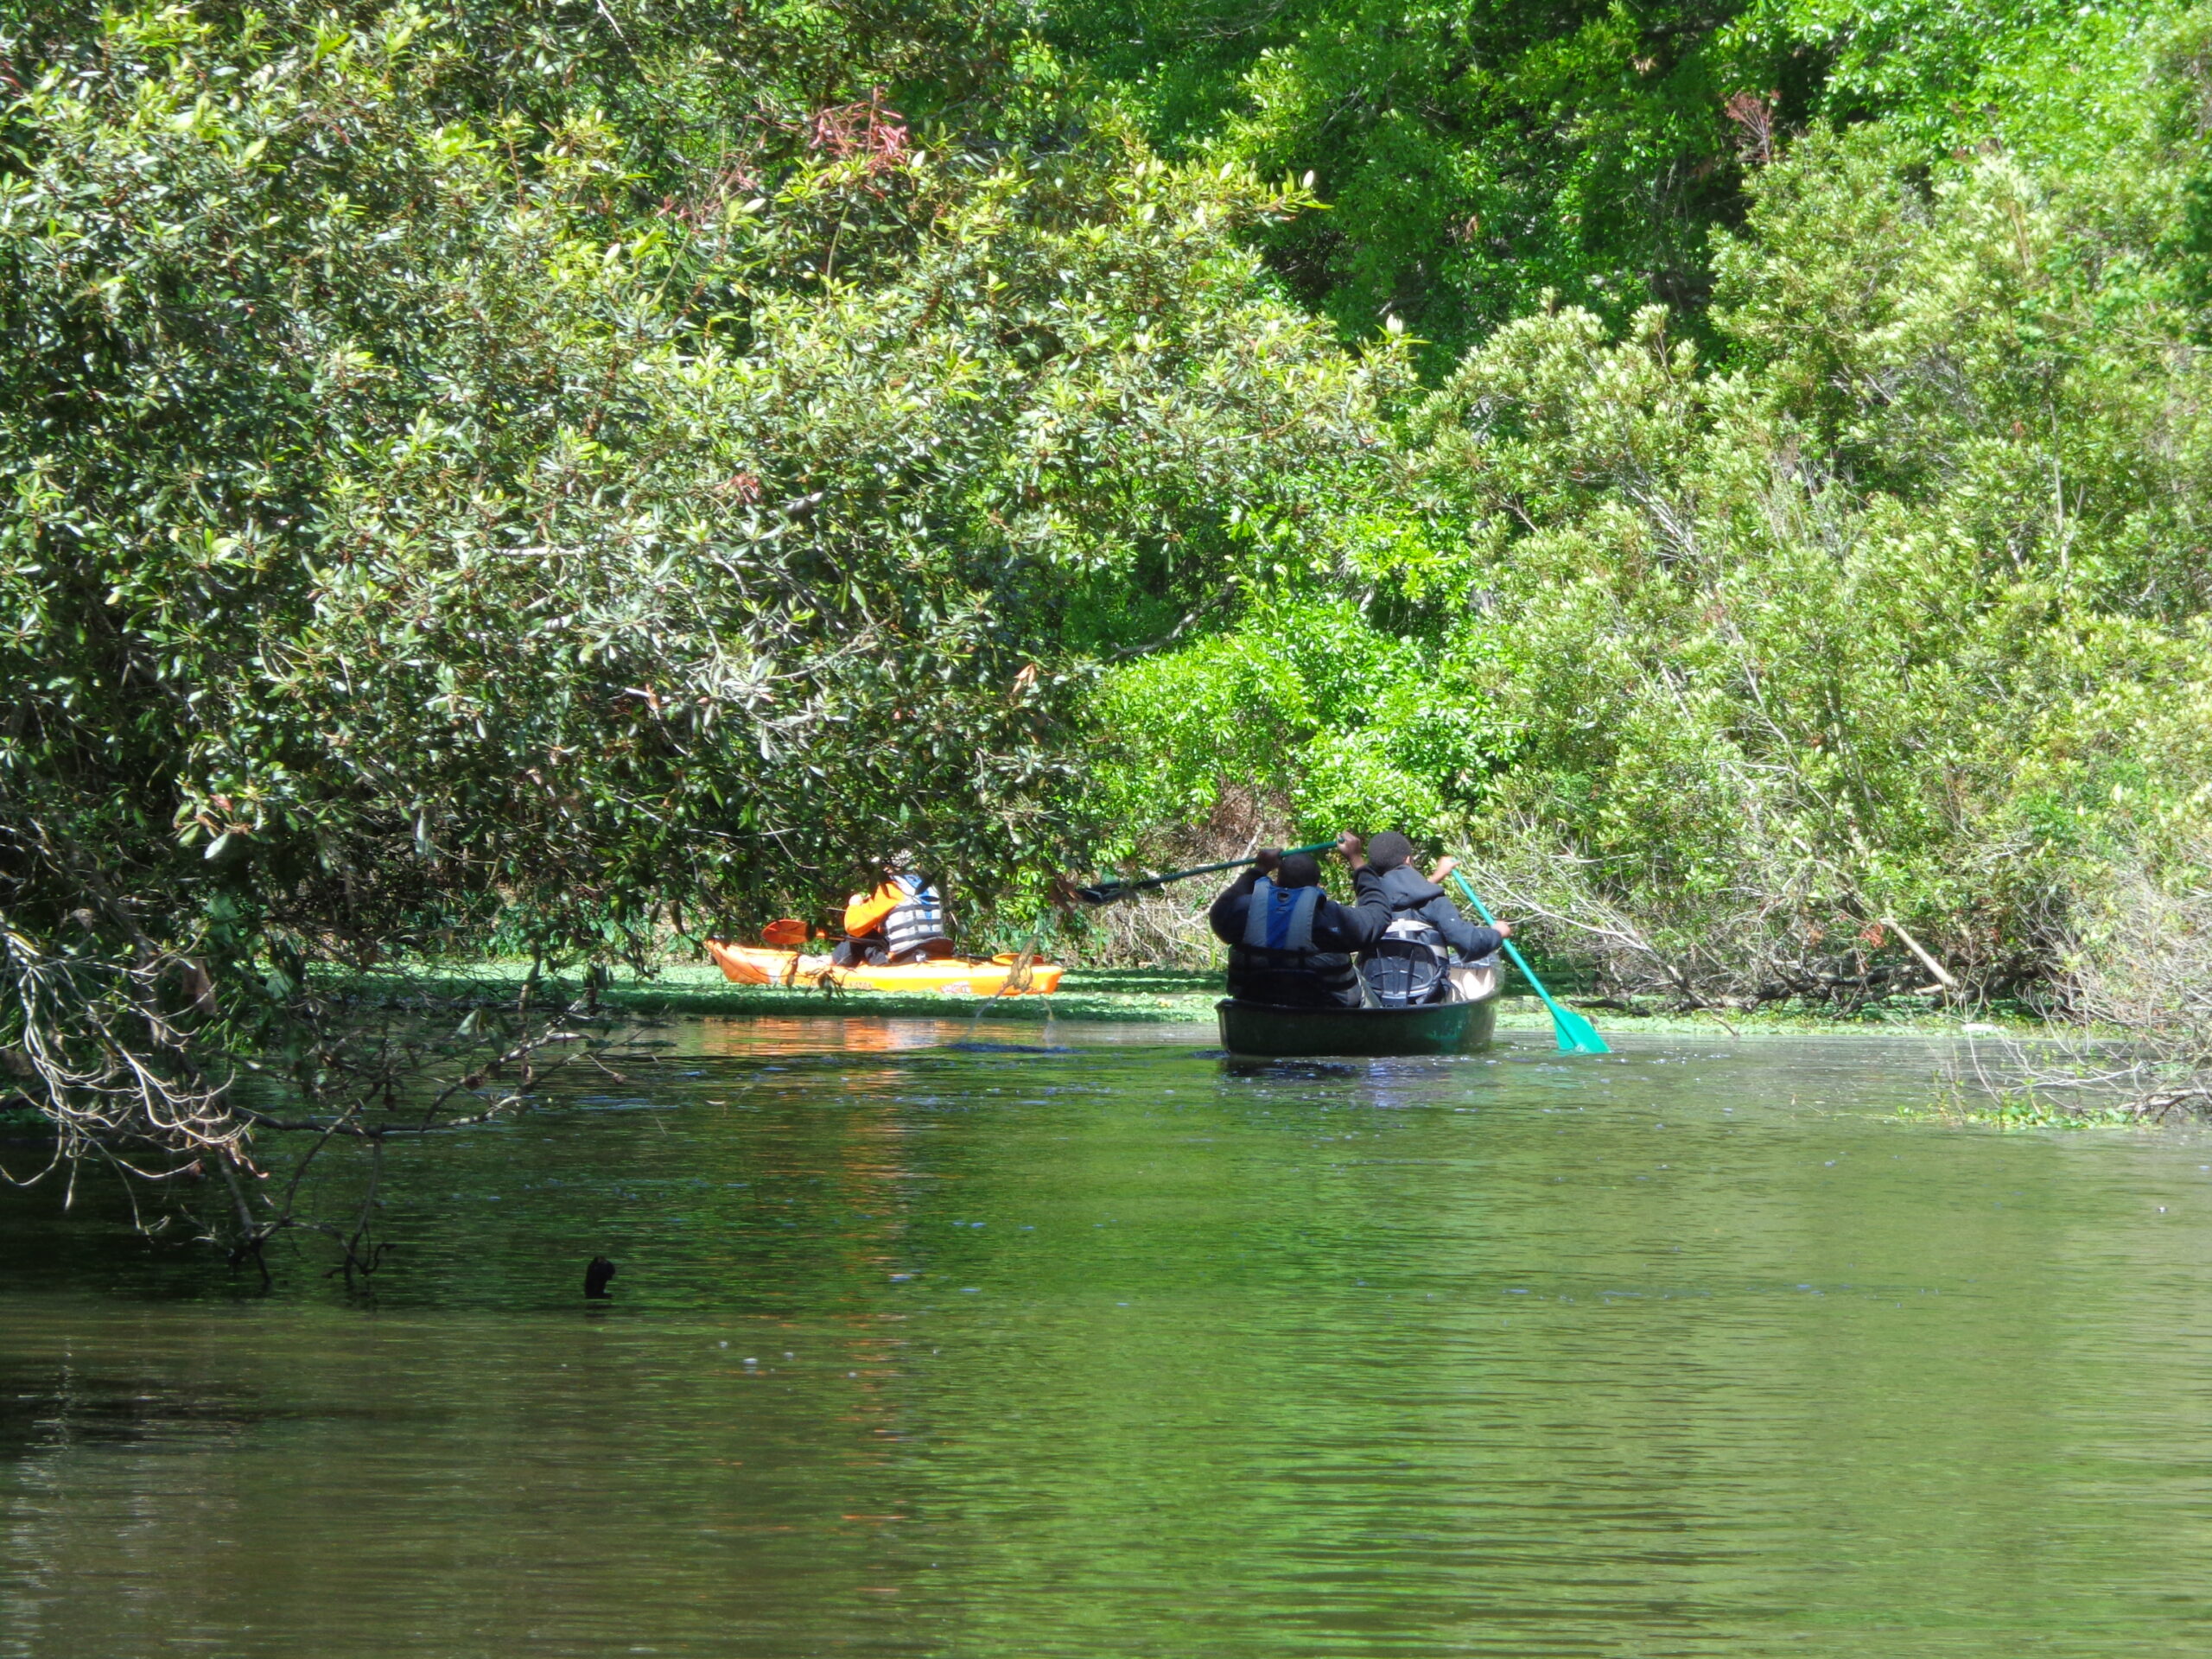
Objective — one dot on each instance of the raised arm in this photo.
(1462, 935)
(1227, 923)
(1364, 921)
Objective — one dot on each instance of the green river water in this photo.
(1113, 1351)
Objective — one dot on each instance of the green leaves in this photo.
(1308, 711)
(446, 513)
(1474, 158)
(1817, 636)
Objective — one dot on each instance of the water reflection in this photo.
(1119, 1350)
(766, 1037)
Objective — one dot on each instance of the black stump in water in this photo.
(595, 1279)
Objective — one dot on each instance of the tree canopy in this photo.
(488, 477)
(1474, 155)
(416, 519)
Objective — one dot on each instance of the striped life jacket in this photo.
(916, 926)
(1407, 966)
(1277, 963)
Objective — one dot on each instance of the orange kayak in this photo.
(749, 964)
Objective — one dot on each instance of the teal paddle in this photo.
(1576, 1035)
(1107, 891)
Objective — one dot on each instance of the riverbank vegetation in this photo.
(455, 501)
(516, 477)
(1861, 650)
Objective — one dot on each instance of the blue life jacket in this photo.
(1280, 918)
(1277, 963)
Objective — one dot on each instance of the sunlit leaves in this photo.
(423, 534)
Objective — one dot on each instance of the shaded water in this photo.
(1116, 1351)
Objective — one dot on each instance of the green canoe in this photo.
(1253, 1030)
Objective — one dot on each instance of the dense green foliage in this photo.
(1895, 613)
(416, 519)
(1474, 155)
(490, 475)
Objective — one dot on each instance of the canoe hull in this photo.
(1254, 1031)
(747, 964)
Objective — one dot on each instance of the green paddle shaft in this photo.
(1106, 892)
(1576, 1035)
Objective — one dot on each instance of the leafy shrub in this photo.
(1871, 639)
(1327, 721)
(1475, 156)
(408, 524)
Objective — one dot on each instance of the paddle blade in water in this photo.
(1576, 1035)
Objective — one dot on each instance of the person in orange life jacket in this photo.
(903, 921)
(1290, 945)
(1416, 897)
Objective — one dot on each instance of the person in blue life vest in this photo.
(1290, 945)
(903, 921)
(1409, 963)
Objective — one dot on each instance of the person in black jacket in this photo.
(1290, 945)
(1411, 894)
